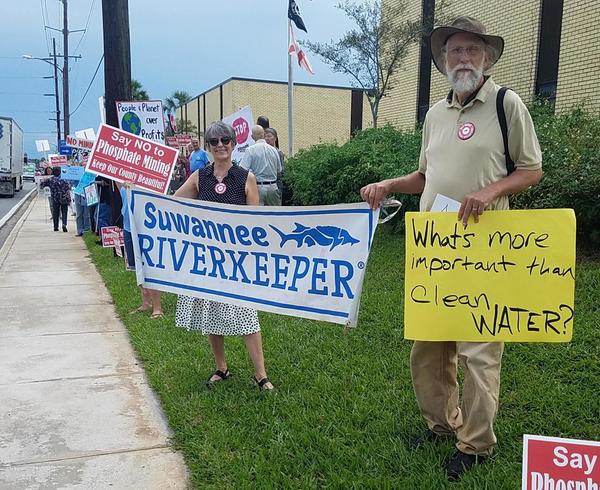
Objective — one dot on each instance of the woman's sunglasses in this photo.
(215, 141)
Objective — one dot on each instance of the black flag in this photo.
(294, 15)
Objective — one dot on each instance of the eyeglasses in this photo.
(225, 140)
(458, 51)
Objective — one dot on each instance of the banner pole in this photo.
(290, 96)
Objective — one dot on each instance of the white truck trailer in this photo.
(11, 157)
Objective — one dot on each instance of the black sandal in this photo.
(222, 375)
(261, 384)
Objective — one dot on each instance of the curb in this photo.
(7, 245)
(16, 207)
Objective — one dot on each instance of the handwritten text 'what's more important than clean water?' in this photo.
(510, 277)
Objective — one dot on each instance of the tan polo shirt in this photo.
(462, 149)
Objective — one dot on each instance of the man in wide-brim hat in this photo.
(463, 157)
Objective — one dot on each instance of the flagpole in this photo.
(290, 96)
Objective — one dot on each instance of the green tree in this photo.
(177, 99)
(373, 51)
(137, 91)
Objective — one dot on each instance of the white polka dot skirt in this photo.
(214, 318)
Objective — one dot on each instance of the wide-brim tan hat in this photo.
(464, 24)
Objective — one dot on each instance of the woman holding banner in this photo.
(225, 183)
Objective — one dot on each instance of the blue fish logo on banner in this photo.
(318, 235)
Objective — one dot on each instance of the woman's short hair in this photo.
(218, 130)
(46, 171)
(56, 171)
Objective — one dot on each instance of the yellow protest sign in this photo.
(510, 277)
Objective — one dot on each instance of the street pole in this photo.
(65, 68)
(117, 71)
(56, 91)
(117, 56)
(290, 96)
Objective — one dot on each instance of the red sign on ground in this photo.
(79, 143)
(552, 463)
(112, 236)
(124, 157)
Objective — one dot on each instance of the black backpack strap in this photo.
(510, 165)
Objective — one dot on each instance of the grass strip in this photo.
(344, 411)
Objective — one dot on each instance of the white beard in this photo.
(465, 79)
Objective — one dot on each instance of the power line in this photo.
(44, 6)
(22, 93)
(85, 29)
(21, 110)
(88, 88)
(21, 78)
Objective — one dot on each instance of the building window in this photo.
(423, 91)
(356, 111)
(549, 49)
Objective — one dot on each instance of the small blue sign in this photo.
(71, 173)
(63, 149)
(85, 180)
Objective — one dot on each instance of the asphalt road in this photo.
(6, 204)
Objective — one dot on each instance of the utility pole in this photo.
(65, 67)
(117, 72)
(65, 71)
(56, 92)
(117, 56)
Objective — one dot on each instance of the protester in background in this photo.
(46, 176)
(222, 182)
(263, 121)
(150, 297)
(264, 162)
(104, 211)
(179, 176)
(272, 139)
(60, 194)
(462, 157)
(83, 214)
(198, 158)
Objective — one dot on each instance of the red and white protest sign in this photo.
(172, 141)
(124, 157)
(112, 236)
(241, 122)
(79, 143)
(183, 139)
(553, 463)
(58, 160)
(242, 130)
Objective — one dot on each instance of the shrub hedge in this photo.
(570, 142)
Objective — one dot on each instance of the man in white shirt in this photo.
(263, 161)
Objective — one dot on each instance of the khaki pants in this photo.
(434, 369)
(269, 195)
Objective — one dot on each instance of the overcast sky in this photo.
(176, 45)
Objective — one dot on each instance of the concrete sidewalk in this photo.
(75, 408)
